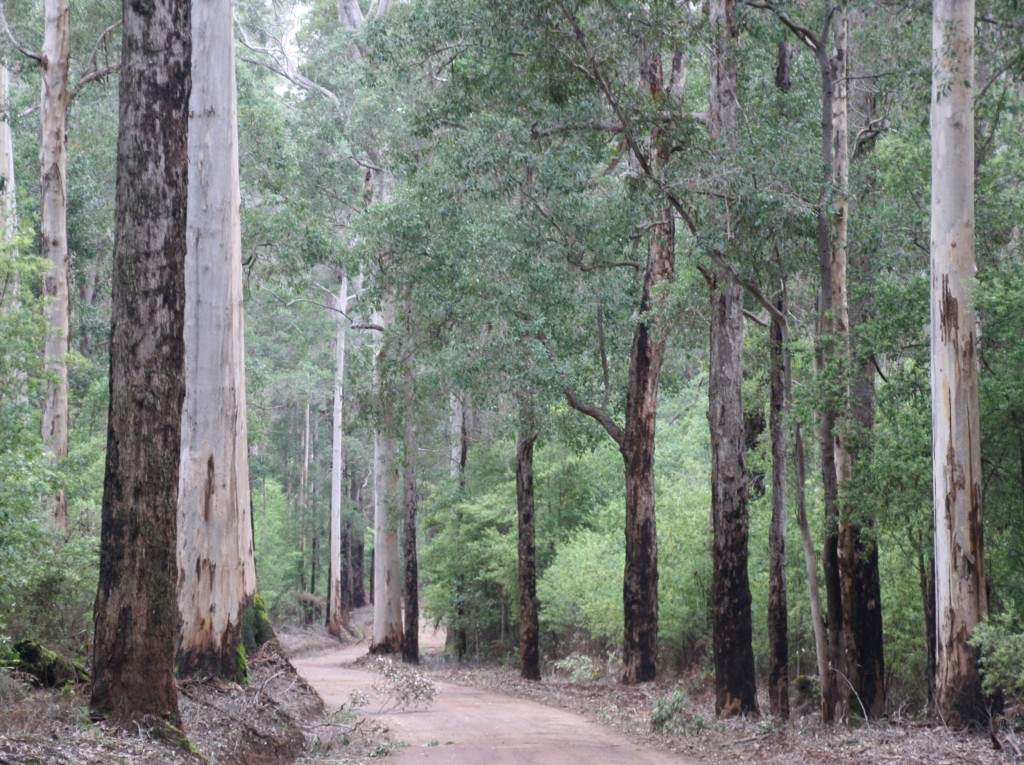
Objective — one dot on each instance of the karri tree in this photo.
(136, 604)
(961, 600)
(216, 572)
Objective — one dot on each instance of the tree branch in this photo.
(597, 413)
(14, 41)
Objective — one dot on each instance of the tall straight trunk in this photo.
(778, 610)
(302, 508)
(961, 600)
(336, 615)
(136, 601)
(387, 586)
(636, 440)
(830, 351)
(529, 626)
(53, 241)
(8, 208)
(314, 521)
(216, 573)
(411, 579)
(735, 689)
(357, 546)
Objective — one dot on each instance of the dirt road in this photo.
(465, 726)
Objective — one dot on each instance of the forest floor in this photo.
(278, 719)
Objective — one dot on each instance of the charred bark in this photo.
(529, 626)
(136, 604)
(735, 689)
(778, 610)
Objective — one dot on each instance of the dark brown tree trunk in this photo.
(926, 573)
(529, 626)
(735, 689)
(136, 610)
(357, 546)
(410, 637)
(778, 610)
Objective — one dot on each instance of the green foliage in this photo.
(672, 714)
(1000, 643)
(277, 551)
(579, 668)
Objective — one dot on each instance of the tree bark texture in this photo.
(735, 690)
(336, 614)
(529, 625)
(8, 208)
(387, 586)
(53, 241)
(832, 331)
(961, 601)
(216, 569)
(778, 610)
(410, 502)
(136, 602)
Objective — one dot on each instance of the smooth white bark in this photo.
(8, 209)
(387, 585)
(53, 106)
(960, 598)
(216, 575)
(335, 617)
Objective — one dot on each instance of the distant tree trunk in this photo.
(529, 627)
(336, 612)
(961, 599)
(735, 689)
(8, 208)
(217, 573)
(53, 106)
(314, 524)
(302, 508)
(136, 602)
(387, 586)
(778, 608)
(357, 547)
(926, 575)
(410, 640)
(459, 439)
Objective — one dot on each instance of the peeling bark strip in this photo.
(961, 601)
(136, 605)
(216, 575)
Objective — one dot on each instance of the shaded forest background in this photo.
(510, 239)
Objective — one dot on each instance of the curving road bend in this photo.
(466, 726)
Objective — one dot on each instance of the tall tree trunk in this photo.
(387, 587)
(961, 600)
(302, 508)
(336, 615)
(410, 640)
(778, 609)
(735, 690)
(529, 627)
(217, 573)
(829, 352)
(358, 547)
(136, 607)
(53, 242)
(8, 208)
